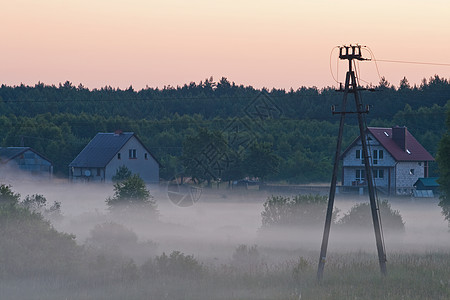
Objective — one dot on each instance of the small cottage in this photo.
(24, 159)
(398, 160)
(106, 152)
(426, 187)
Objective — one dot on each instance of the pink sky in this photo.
(263, 43)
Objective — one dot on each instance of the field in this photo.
(215, 249)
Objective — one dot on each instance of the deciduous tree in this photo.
(131, 194)
(443, 159)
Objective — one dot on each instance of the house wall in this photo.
(31, 162)
(351, 164)
(404, 177)
(148, 169)
(95, 174)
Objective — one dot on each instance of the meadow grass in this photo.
(347, 276)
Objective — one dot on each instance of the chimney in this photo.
(118, 132)
(399, 136)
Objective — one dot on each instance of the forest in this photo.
(295, 127)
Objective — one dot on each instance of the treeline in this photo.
(211, 99)
(60, 121)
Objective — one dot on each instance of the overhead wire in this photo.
(337, 67)
(413, 62)
(356, 64)
(372, 57)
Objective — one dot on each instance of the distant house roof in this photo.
(102, 148)
(430, 182)
(9, 153)
(414, 151)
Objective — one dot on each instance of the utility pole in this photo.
(351, 53)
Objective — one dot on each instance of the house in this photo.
(25, 159)
(426, 187)
(398, 160)
(106, 152)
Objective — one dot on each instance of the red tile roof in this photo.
(416, 151)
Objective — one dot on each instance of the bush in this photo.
(131, 194)
(301, 210)
(38, 204)
(30, 246)
(176, 264)
(7, 196)
(301, 268)
(246, 259)
(116, 240)
(122, 173)
(111, 236)
(360, 217)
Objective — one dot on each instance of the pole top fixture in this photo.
(351, 52)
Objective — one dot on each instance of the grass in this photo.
(347, 276)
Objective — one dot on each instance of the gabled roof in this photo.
(9, 153)
(102, 149)
(414, 152)
(427, 182)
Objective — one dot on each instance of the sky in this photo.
(265, 43)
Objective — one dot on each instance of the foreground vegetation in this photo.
(39, 262)
(180, 276)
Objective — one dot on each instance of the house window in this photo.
(359, 175)
(132, 153)
(411, 172)
(118, 155)
(146, 156)
(377, 155)
(98, 171)
(359, 155)
(378, 173)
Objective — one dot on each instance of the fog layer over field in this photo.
(223, 219)
(217, 248)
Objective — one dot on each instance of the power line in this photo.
(412, 62)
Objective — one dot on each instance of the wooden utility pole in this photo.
(351, 53)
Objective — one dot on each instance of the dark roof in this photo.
(8, 153)
(11, 152)
(428, 182)
(102, 148)
(384, 135)
(416, 151)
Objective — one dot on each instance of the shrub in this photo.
(131, 194)
(117, 240)
(246, 259)
(111, 236)
(29, 244)
(360, 217)
(38, 204)
(301, 267)
(178, 264)
(7, 196)
(122, 173)
(301, 210)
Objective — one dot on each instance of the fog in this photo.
(216, 248)
(223, 219)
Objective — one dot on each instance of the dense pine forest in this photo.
(295, 126)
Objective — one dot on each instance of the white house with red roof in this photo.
(398, 160)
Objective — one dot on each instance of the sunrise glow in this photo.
(266, 43)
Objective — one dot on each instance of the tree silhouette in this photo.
(131, 194)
